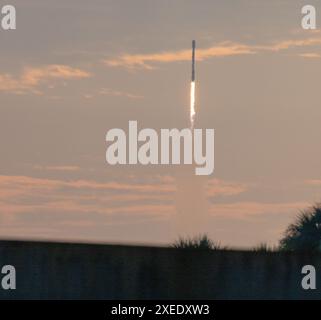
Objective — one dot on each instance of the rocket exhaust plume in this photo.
(192, 99)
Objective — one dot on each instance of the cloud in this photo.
(149, 198)
(32, 77)
(313, 182)
(310, 55)
(218, 187)
(21, 182)
(23, 193)
(245, 210)
(117, 93)
(40, 204)
(146, 60)
(42, 207)
(58, 208)
(57, 168)
(288, 44)
(223, 49)
(112, 93)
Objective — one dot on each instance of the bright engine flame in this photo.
(192, 107)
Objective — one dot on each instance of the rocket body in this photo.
(193, 60)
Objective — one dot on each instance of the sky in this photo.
(75, 69)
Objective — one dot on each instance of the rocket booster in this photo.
(193, 60)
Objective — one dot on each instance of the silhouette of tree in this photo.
(305, 233)
(201, 242)
(263, 247)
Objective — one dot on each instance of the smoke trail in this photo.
(192, 106)
(192, 206)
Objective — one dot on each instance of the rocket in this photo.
(192, 106)
(193, 60)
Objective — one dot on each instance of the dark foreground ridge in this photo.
(94, 271)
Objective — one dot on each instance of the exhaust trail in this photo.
(192, 206)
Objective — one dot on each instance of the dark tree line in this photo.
(304, 234)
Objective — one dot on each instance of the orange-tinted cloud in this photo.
(223, 49)
(313, 182)
(310, 55)
(20, 194)
(118, 93)
(57, 168)
(41, 207)
(145, 60)
(245, 210)
(288, 44)
(31, 77)
(218, 187)
(25, 183)
(29, 194)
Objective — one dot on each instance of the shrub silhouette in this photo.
(202, 242)
(263, 247)
(305, 233)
